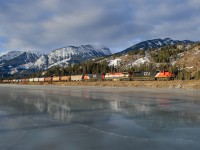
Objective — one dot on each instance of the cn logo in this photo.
(147, 73)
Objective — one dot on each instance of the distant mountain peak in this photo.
(78, 53)
(155, 43)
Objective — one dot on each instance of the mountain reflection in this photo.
(86, 106)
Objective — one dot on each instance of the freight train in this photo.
(118, 76)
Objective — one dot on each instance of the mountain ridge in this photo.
(155, 43)
(16, 61)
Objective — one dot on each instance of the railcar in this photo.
(31, 79)
(35, 79)
(41, 79)
(48, 79)
(118, 76)
(76, 77)
(55, 79)
(143, 75)
(164, 75)
(65, 78)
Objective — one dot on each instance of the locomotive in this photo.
(117, 76)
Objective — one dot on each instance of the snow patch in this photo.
(141, 61)
(13, 71)
(26, 66)
(65, 61)
(114, 62)
(160, 43)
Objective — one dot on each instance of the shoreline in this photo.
(176, 84)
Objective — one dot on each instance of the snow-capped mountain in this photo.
(155, 43)
(10, 63)
(16, 61)
(16, 58)
(10, 55)
(72, 53)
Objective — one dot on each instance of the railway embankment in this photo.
(176, 84)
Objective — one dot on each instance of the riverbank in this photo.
(177, 84)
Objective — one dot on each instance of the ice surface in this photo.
(51, 117)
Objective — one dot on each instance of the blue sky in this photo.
(44, 25)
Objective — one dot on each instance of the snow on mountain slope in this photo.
(24, 55)
(80, 53)
(155, 43)
(2, 53)
(62, 62)
(31, 56)
(114, 62)
(140, 61)
(40, 63)
(101, 49)
(10, 55)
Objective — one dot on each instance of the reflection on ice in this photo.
(130, 114)
(89, 106)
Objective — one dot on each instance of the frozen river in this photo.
(92, 118)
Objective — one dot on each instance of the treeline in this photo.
(91, 67)
(88, 67)
(165, 54)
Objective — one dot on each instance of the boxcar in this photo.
(56, 79)
(35, 79)
(41, 79)
(48, 79)
(76, 77)
(65, 78)
(31, 79)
